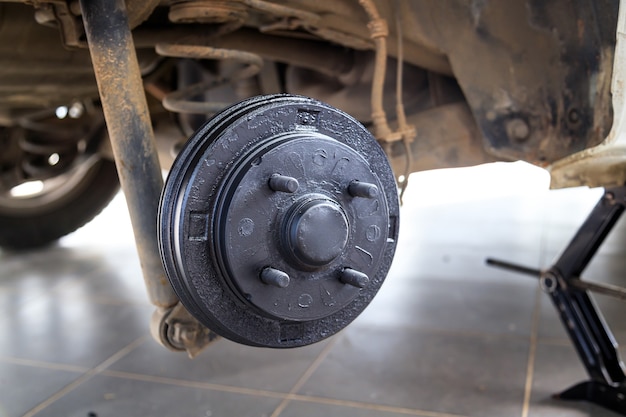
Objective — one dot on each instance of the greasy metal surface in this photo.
(130, 131)
(605, 164)
(242, 245)
(544, 64)
(66, 16)
(36, 71)
(59, 13)
(138, 11)
(447, 137)
(345, 22)
(351, 90)
(535, 74)
(322, 56)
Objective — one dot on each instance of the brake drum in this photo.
(278, 221)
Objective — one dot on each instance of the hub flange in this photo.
(279, 221)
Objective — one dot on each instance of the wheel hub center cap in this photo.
(315, 232)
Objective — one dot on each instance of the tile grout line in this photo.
(84, 377)
(444, 332)
(43, 365)
(370, 406)
(305, 377)
(553, 341)
(273, 394)
(192, 384)
(120, 353)
(532, 353)
(534, 330)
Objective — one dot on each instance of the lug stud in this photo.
(282, 183)
(271, 276)
(363, 189)
(353, 277)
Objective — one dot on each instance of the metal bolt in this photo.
(353, 277)
(44, 15)
(518, 129)
(275, 277)
(548, 282)
(574, 116)
(76, 110)
(363, 189)
(282, 183)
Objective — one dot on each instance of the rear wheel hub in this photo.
(279, 221)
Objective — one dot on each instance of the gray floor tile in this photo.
(462, 262)
(453, 374)
(453, 306)
(51, 266)
(24, 387)
(454, 242)
(104, 396)
(26, 276)
(225, 362)
(77, 271)
(556, 369)
(72, 331)
(111, 285)
(310, 409)
(12, 300)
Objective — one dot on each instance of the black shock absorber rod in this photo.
(128, 122)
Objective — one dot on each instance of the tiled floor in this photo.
(446, 336)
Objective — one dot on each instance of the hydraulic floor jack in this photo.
(583, 321)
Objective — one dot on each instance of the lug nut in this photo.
(353, 277)
(271, 276)
(282, 183)
(548, 282)
(363, 189)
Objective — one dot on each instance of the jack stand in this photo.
(579, 314)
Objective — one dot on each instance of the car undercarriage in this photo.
(288, 130)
